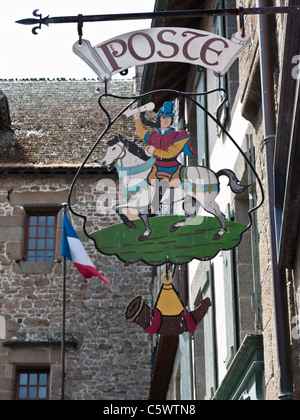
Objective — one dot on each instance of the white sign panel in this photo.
(160, 45)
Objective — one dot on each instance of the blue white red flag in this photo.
(74, 251)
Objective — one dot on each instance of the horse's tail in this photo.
(234, 183)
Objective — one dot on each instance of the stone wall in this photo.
(109, 359)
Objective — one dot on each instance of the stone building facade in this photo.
(47, 128)
(248, 346)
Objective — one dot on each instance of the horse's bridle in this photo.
(123, 150)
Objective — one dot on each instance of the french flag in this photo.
(74, 251)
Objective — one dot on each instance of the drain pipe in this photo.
(279, 276)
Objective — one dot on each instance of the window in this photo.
(32, 385)
(40, 237)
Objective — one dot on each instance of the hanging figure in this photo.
(199, 186)
(156, 177)
(165, 145)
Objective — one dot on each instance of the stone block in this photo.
(11, 234)
(14, 250)
(11, 221)
(36, 199)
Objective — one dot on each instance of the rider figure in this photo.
(165, 145)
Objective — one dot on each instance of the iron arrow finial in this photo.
(41, 21)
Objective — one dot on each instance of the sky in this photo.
(49, 54)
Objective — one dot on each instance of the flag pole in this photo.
(63, 331)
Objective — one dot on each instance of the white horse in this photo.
(199, 187)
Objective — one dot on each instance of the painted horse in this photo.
(199, 187)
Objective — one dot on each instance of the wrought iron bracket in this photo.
(153, 15)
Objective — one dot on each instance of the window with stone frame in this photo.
(40, 236)
(32, 384)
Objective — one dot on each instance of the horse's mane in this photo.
(131, 146)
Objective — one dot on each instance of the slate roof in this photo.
(57, 121)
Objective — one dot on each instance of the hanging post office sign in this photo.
(160, 45)
(168, 209)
